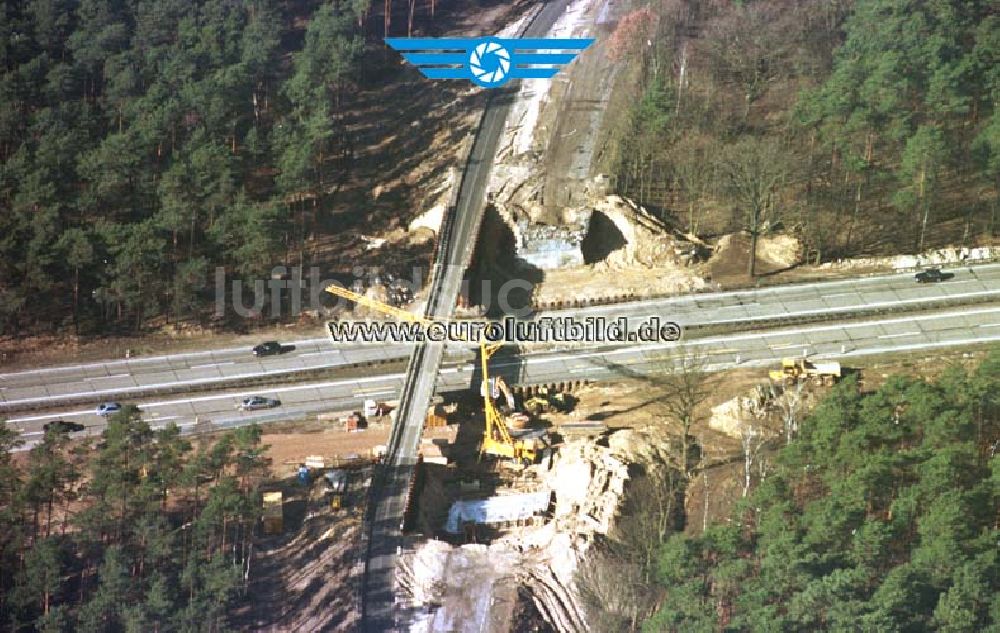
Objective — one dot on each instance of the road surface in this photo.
(213, 369)
(840, 341)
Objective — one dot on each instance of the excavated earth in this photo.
(473, 587)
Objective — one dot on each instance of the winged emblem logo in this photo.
(489, 62)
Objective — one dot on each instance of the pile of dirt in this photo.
(468, 587)
(774, 252)
(732, 416)
(937, 257)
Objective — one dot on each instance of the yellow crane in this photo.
(497, 439)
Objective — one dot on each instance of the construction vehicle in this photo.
(545, 402)
(795, 369)
(497, 440)
(335, 487)
(498, 387)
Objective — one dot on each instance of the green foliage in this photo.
(141, 142)
(157, 536)
(881, 515)
(882, 105)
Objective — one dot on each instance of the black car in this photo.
(267, 348)
(932, 275)
(62, 426)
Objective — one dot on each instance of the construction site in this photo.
(516, 482)
(514, 487)
(483, 486)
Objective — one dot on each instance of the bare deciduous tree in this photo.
(790, 402)
(682, 390)
(752, 170)
(616, 580)
(752, 437)
(612, 590)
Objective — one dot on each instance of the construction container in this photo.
(273, 513)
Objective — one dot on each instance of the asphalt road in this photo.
(133, 378)
(841, 341)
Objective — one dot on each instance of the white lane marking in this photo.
(866, 306)
(323, 353)
(116, 376)
(206, 366)
(692, 298)
(360, 394)
(227, 396)
(29, 433)
(122, 391)
(578, 356)
(151, 359)
(901, 334)
(990, 325)
(775, 290)
(719, 339)
(912, 346)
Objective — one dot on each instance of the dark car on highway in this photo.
(267, 348)
(932, 275)
(254, 403)
(62, 426)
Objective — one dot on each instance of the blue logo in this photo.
(488, 61)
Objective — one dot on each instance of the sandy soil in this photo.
(288, 448)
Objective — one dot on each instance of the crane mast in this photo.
(497, 439)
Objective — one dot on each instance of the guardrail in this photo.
(289, 376)
(632, 297)
(346, 370)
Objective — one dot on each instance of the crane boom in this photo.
(375, 304)
(496, 437)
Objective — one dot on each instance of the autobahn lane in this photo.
(127, 379)
(841, 341)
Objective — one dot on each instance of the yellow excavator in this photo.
(497, 440)
(545, 401)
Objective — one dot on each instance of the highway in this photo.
(841, 341)
(214, 369)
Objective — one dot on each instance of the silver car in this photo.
(254, 403)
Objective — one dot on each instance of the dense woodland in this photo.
(877, 511)
(144, 143)
(881, 515)
(137, 531)
(865, 126)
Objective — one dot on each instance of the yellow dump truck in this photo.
(795, 369)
